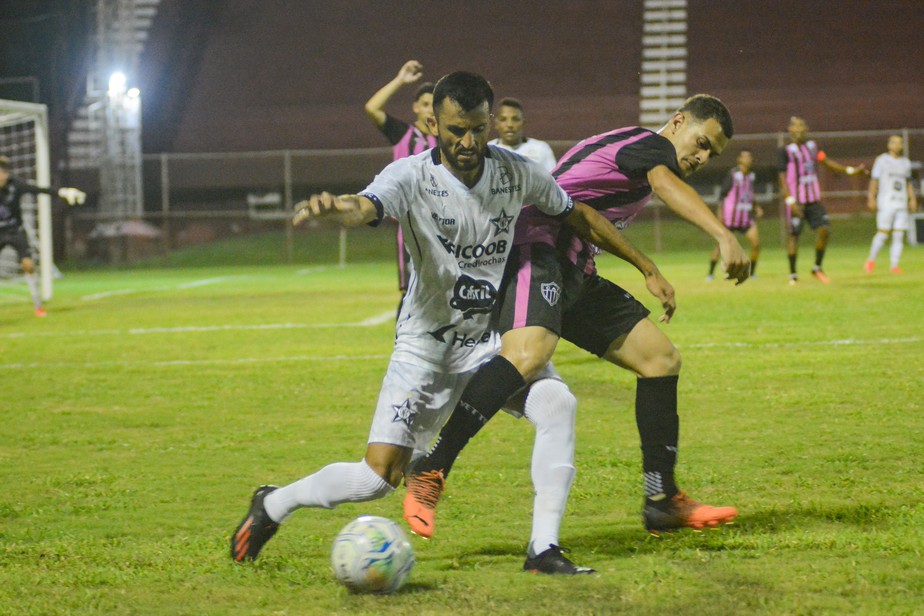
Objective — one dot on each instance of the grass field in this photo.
(141, 413)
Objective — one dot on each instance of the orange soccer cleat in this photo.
(423, 493)
(684, 512)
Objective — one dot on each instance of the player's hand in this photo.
(871, 204)
(662, 289)
(73, 196)
(410, 72)
(758, 211)
(344, 209)
(737, 264)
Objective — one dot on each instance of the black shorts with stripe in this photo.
(541, 288)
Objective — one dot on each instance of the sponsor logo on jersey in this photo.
(435, 189)
(473, 251)
(551, 292)
(404, 412)
(471, 296)
(447, 222)
(506, 190)
(502, 223)
(449, 335)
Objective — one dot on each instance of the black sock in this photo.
(792, 264)
(753, 266)
(819, 257)
(484, 395)
(712, 267)
(659, 429)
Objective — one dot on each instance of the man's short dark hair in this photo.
(508, 101)
(705, 107)
(467, 89)
(5, 162)
(425, 88)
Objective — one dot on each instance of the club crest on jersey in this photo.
(471, 296)
(502, 223)
(550, 292)
(403, 412)
(505, 176)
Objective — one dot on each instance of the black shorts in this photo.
(813, 213)
(541, 288)
(18, 240)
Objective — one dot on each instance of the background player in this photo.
(552, 290)
(735, 209)
(509, 122)
(406, 139)
(13, 233)
(801, 192)
(444, 331)
(891, 196)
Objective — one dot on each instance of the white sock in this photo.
(335, 484)
(895, 250)
(33, 289)
(879, 241)
(551, 407)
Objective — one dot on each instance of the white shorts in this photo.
(892, 218)
(415, 402)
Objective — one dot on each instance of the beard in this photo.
(470, 163)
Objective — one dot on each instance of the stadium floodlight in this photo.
(117, 83)
(133, 93)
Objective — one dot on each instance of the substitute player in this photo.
(406, 139)
(891, 196)
(458, 204)
(801, 193)
(552, 290)
(509, 123)
(12, 232)
(739, 213)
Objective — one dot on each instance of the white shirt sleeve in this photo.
(392, 187)
(544, 193)
(876, 173)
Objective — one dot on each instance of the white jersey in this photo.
(459, 239)
(893, 175)
(533, 149)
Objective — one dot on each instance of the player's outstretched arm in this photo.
(410, 72)
(347, 210)
(837, 167)
(73, 196)
(590, 225)
(686, 203)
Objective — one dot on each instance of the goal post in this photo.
(24, 139)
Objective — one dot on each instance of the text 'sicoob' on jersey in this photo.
(459, 239)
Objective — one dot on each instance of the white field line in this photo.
(192, 362)
(186, 285)
(370, 322)
(309, 358)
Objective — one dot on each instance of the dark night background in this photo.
(232, 75)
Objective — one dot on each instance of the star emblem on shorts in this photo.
(404, 412)
(502, 223)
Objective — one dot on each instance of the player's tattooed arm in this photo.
(347, 210)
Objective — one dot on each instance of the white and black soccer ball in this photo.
(372, 555)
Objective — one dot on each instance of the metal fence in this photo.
(192, 199)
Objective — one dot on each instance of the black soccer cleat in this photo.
(553, 562)
(255, 530)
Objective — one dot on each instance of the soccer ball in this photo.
(372, 555)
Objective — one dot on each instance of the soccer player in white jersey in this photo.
(891, 196)
(458, 205)
(509, 123)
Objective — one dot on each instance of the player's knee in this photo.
(550, 405)
(665, 363)
(28, 266)
(528, 361)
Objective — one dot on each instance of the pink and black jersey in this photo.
(405, 138)
(799, 161)
(738, 199)
(608, 172)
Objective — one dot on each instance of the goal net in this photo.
(24, 140)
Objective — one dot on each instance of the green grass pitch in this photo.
(141, 413)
